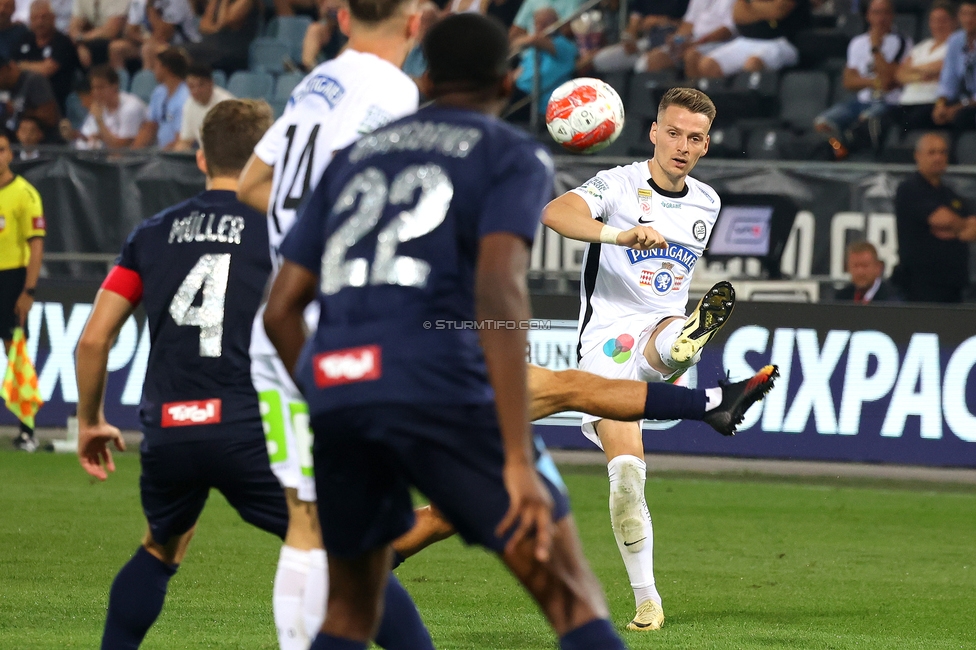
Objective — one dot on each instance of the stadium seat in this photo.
(803, 96)
(268, 55)
(619, 81)
(966, 148)
(143, 84)
(286, 83)
(900, 148)
(907, 25)
(768, 144)
(253, 85)
(124, 79)
(641, 99)
(278, 106)
(725, 142)
(851, 24)
(765, 83)
(290, 30)
(707, 85)
(628, 139)
(840, 93)
(220, 78)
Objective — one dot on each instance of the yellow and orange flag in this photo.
(20, 383)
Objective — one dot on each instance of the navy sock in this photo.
(328, 642)
(401, 627)
(670, 402)
(135, 600)
(595, 635)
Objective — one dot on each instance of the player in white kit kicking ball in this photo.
(648, 224)
(340, 100)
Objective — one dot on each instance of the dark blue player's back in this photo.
(203, 266)
(393, 230)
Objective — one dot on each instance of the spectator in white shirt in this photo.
(872, 62)
(705, 25)
(204, 95)
(115, 117)
(919, 73)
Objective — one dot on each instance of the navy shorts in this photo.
(177, 478)
(367, 459)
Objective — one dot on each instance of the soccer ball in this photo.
(585, 115)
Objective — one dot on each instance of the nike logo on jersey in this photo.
(637, 542)
(641, 220)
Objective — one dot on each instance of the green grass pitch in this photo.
(740, 562)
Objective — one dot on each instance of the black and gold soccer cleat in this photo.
(737, 397)
(712, 312)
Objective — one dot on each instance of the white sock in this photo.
(713, 398)
(666, 338)
(289, 590)
(631, 524)
(316, 592)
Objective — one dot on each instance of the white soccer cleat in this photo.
(710, 315)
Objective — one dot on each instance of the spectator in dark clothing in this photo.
(766, 30)
(31, 95)
(932, 229)
(504, 10)
(48, 52)
(11, 33)
(227, 28)
(867, 276)
(29, 135)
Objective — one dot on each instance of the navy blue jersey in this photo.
(392, 231)
(202, 267)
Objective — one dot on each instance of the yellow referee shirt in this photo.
(21, 218)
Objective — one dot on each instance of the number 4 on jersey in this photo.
(209, 273)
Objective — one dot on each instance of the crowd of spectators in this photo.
(66, 66)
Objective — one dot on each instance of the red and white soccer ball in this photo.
(585, 115)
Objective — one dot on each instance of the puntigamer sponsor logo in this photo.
(674, 252)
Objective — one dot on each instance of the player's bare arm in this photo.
(254, 187)
(292, 291)
(569, 215)
(501, 294)
(107, 317)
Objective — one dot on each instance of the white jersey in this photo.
(620, 283)
(331, 108)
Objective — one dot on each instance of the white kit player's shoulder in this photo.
(703, 194)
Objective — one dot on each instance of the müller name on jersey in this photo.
(199, 226)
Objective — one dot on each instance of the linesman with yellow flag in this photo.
(22, 230)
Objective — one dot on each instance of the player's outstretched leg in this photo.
(624, 400)
(709, 316)
(139, 590)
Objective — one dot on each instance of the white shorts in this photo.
(621, 356)
(776, 54)
(284, 414)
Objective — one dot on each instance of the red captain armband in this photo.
(124, 282)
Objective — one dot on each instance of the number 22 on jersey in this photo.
(370, 186)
